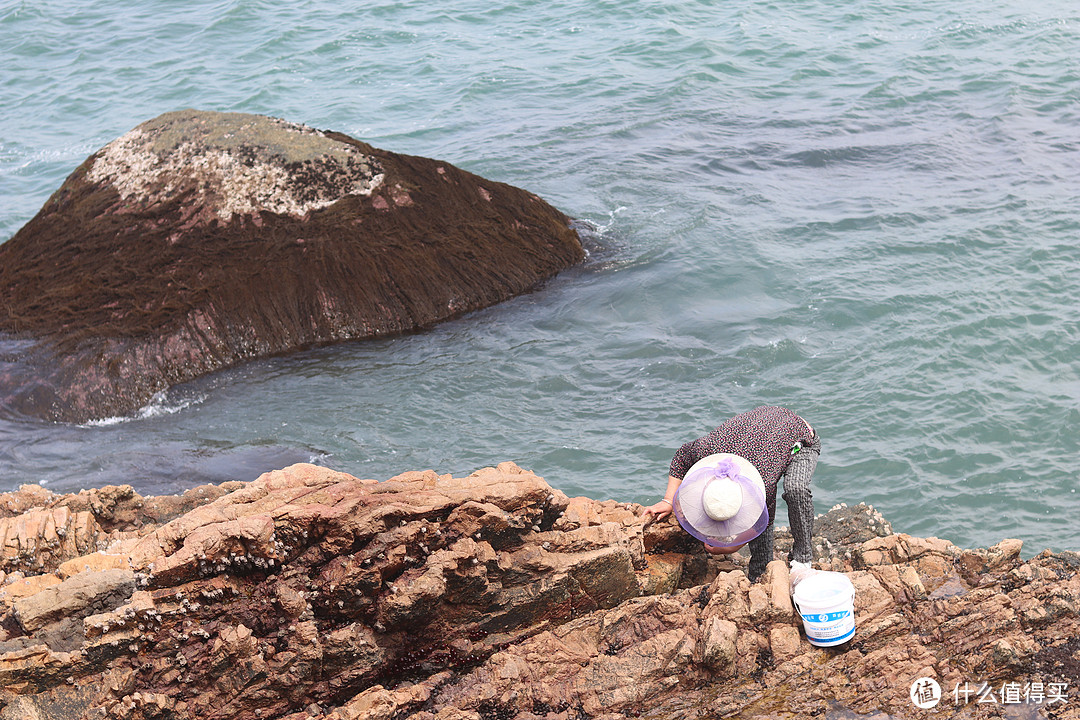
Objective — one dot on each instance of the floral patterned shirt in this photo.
(766, 437)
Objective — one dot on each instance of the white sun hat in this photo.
(721, 501)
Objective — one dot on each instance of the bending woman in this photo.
(778, 443)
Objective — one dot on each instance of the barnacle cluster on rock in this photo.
(230, 164)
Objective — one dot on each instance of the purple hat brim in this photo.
(744, 526)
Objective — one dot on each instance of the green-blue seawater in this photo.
(866, 211)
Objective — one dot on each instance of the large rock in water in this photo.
(309, 594)
(201, 239)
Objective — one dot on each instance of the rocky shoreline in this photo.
(308, 593)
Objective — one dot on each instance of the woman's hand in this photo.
(660, 510)
(657, 511)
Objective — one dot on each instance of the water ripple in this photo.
(867, 213)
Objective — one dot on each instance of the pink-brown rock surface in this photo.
(309, 593)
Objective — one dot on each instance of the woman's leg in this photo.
(800, 501)
(761, 553)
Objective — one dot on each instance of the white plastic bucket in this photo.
(826, 602)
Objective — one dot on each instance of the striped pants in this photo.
(800, 505)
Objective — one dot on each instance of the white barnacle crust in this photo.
(233, 164)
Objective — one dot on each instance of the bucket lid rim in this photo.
(841, 590)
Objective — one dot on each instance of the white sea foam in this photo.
(160, 404)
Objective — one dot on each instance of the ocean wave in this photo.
(160, 404)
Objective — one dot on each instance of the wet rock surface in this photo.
(309, 593)
(200, 239)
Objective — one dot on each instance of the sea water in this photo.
(868, 212)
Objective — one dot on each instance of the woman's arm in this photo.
(661, 509)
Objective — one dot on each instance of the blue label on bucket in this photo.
(827, 617)
(833, 636)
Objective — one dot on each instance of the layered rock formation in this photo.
(200, 239)
(308, 593)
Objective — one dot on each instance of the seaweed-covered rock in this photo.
(201, 239)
